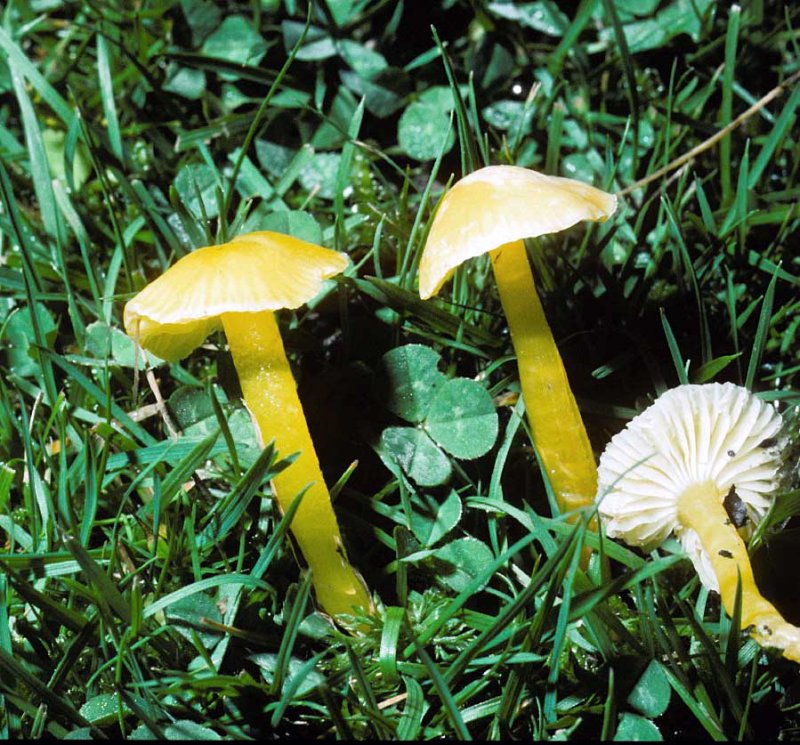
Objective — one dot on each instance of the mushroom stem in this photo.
(700, 508)
(270, 393)
(553, 416)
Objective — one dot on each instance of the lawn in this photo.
(155, 582)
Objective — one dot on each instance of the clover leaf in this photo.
(455, 415)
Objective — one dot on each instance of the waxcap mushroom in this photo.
(500, 204)
(238, 286)
(493, 210)
(718, 434)
(254, 272)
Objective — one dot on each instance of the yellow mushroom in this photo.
(491, 211)
(237, 286)
(670, 471)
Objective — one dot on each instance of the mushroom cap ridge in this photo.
(252, 273)
(500, 204)
(718, 433)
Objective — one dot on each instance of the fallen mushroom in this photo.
(671, 470)
(237, 286)
(491, 211)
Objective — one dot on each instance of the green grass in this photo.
(148, 583)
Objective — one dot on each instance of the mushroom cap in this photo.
(501, 204)
(693, 434)
(252, 273)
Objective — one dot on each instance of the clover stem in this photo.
(700, 508)
(270, 393)
(556, 425)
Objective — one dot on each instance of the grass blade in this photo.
(442, 690)
(762, 330)
(681, 368)
(107, 97)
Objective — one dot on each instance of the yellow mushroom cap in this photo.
(501, 204)
(252, 273)
(717, 433)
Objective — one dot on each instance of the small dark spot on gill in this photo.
(726, 554)
(731, 453)
(770, 442)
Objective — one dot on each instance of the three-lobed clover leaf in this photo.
(453, 415)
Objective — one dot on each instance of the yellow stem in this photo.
(553, 415)
(700, 508)
(270, 392)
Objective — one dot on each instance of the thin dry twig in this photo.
(151, 381)
(144, 412)
(778, 90)
(36, 402)
(398, 699)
